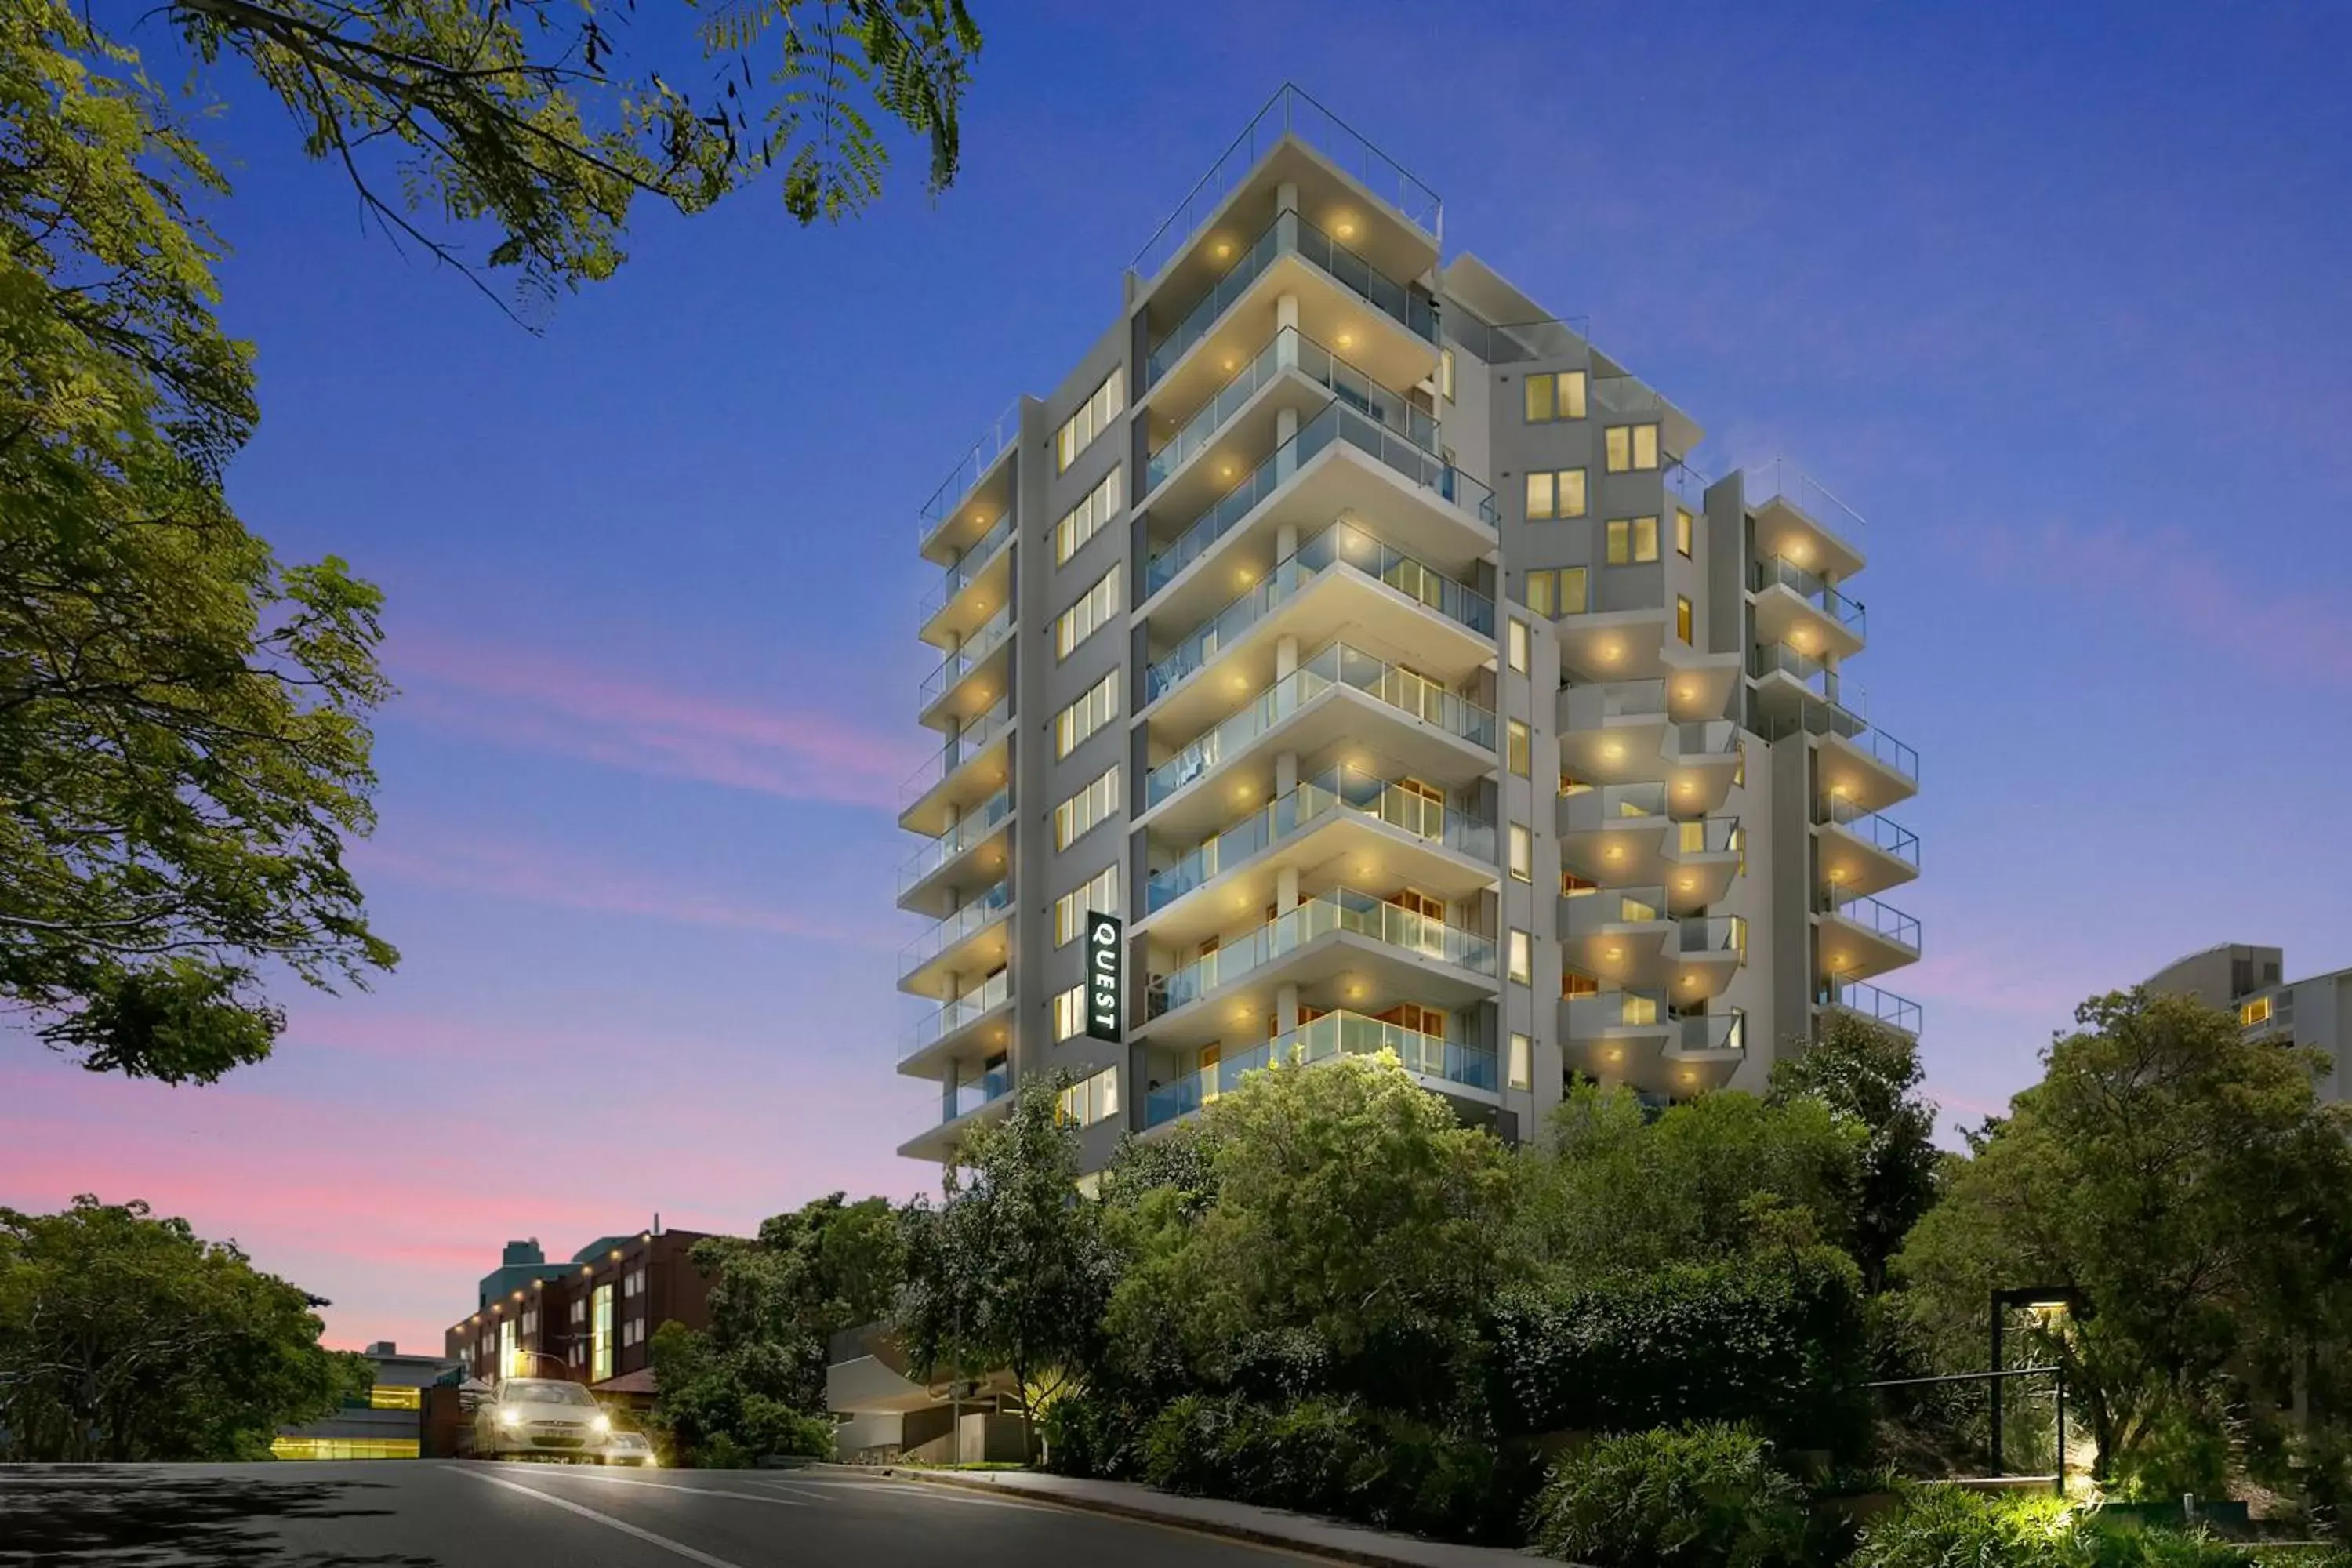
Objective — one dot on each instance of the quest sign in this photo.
(1105, 963)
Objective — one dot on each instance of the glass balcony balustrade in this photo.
(1874, 828)
(1784, 481)
(1331, 1035)
(1703, 738)
(1290, 349)
(1290, 235)
(961, 748)
(1336, 665)
(1289, 112)
(968, 566)
(967, 657)
(1341, 546)
(978, 915)
(1343, 908)
(1880, 1006)
(1339, 422)
(1711, 933)
(1599, 1013)
(953, 1016)
(963, 1099)
(1818, 678)
(1335, 792)
(970, 829)
(1882, 919)
(1594, 911)
(1724, 1031)
(1779, 570)
(1002, 432)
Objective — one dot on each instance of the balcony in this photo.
(971, 766)
(1444, 1066)
(953, 610)
(1340, 817)
(971, 941)
(1799, 519)
(1630, 937)
(1869, 1003)
(1366, 949)
(1625, 733)
(976, 493)
(1785, 677)
(971, 677)
(1341, 460)
(1864, 851)
(1802, 609)
(1620, 835)
(962, 1107)
(976, 829)
(955, 1026)
(1861, 937)
(1394, 595)
(1639, 1039)
(1330, 701)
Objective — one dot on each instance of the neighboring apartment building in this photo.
(1361, 639)
(2315, 1014)
(591, 1320)
(385, 1423)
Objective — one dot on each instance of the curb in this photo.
(1241, 1532)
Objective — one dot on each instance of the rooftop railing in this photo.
(1291, 112)
(1341, 910)
(1289, 350)
(1782, 573)
(1560, 337)
(1781, 480)
(1004, 431)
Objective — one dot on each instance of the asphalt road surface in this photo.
(429, 1513)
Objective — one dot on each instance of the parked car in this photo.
(630, 1448)
(541, 1415)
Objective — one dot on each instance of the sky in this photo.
(2054, 297)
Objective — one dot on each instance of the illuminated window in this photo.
(600, 1334)
(1519, 755)
(2256, 1010)
(1631, 539)
(1640, 1011)
(1445, 374)
(1554, 494)
(1630, 447)
(1090, 1100)
(1572, 600)
(1682, 532)
(382, 1398)
(1555, 394)
(1522, 959)
(1083, 619)
(1523, 853)
(510, 1357)
(344, 1447)
(1514, 642)
(1522, 1063)
(1093, 417)
(1070, 1012)
(1074, 816)
(1085, 520)
(1573, 983)
(1099, 892)
(1540, 586)
(1089, 713)
(1683, 617)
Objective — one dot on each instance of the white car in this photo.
(541, 1415)
(630, 1448)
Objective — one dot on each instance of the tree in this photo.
(1009, 1270)
(2185, 1182)
(1870, 1075)
(720, 1410)
(125, 1338)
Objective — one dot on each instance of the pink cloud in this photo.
(537, 701)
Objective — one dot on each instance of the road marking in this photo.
(623, 1525)
(602, 1479)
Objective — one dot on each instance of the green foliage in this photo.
(1620, 1191)
(1776, 1341)
(182, 719)
(1946, 1527)
(1870, 1075)
(713, 1413)
(125, 1338)
(1697, 1496)
(2187, 1183)
(1336, 1457)
(1011, 1269)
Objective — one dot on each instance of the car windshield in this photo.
(628, 1440)
(543, 1391)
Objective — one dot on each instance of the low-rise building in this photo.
(2245, 978)
(385, 1423)
(591, 1320)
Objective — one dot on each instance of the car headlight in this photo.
(602, 1426)
(509, 1417)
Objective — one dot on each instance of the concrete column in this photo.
(1286, 1008)
(1286, 311)
(1285, 773)
(1285, 656)
(1285, 542)
(1286, 890)
(1285, 456)
(1285, 197)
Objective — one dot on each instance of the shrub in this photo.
(1693, 1496)
(1090, 1434)
(1776, 1343)
(1946, 1527)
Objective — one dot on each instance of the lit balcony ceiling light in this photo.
(1610, 651)
(1614, 953)
(1225, 470)
(1344, 226)
(1615, 853)
(1231, 363)
(1223, 249)
(1612, 752)
(1688, 883)
(1346, 340)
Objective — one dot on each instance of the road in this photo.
(433, 1514)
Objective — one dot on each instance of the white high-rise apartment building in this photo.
(1362, 637)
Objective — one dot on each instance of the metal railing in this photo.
(1289, 112)
(967, 656)
(976, 916)
(1868, 1001)
(961, 748)
(1880, 919)
(1509, 342)
(1331, 1035)
(1337, 663)
(1628, 396)
(1336, 421)
(1686, 483)
(1289, 350)
(1341, 544)
(1002, 432)
(1783, 481)
(970, 829)
(1336, 791)
(1885, 750)
(953, 1016)
(1780, 571)
(1874, 828)
(968, 565)
(1343, 908)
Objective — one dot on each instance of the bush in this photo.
(1776, 1343)
(1946, 1527)
(1692, 1497)
(1092, 1434)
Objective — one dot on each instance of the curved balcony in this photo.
(972, 830)
(1443, 1065)
(1621, 834)
(1631, 937)
(1641, 1039)
(939, 625)
(1864, 851)
(969, 768)
(1871, 1004)
(973, 940)
(957, 1024)
(1861, 937)
(1452, 722)
(1802, 609)
(1340, 546)
(950, 689)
